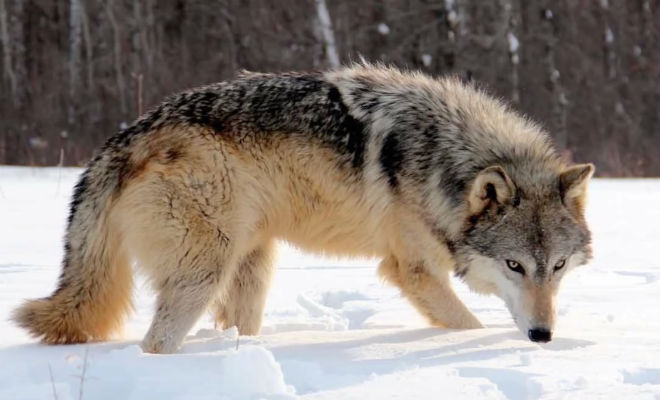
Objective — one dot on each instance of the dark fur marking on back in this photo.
(334, 96)
(263, 105)
(347, 126)
(391, 159)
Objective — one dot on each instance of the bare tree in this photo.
(73, 71)
(559, 101)
(328, 33)
(75, 52)
(19, 52)
(119, 76)
(8, 66)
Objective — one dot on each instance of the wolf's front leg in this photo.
(432, 296)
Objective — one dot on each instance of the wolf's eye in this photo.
(560, 265)
(515, 266)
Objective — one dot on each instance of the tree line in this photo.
(73, 72)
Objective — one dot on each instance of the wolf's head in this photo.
(521, 238)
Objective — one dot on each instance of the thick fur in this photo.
(366, 160)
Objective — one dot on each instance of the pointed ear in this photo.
(491, 187)
(573, 186)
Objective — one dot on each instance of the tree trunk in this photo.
(75, 41)
(18, 43)
(119, 76)
(7, 64)
(328, 34)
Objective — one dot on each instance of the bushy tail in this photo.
(94, 289)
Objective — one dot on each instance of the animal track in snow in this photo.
(513, 384)
(641, 376)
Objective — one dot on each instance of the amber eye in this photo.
(515, 266)
(560, 265)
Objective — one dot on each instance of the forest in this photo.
(74, 72)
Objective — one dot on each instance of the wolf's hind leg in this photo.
(187, 273)
(182, 299)
(243, 304)
(433, 297)
(179, 305)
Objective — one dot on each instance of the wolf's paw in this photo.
(159, 345)
(475, 324)
(468, 322)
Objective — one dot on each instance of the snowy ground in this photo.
(334, 331)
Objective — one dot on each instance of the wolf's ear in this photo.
(491, 187)
(573, 186)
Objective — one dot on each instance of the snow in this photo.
(514, 45)
(554, 76)
(618, 108)
(124, 372)
(452, 17)
(609, 35)
(427, 59)
(383, 29)
(513, 42)
(333, 330)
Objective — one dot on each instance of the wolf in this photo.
(432, 175)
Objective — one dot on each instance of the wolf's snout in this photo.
(539, 335)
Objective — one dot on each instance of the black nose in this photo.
(539, 335)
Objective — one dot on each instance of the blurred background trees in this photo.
(75, 71)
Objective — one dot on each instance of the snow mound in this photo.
(112, 372)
